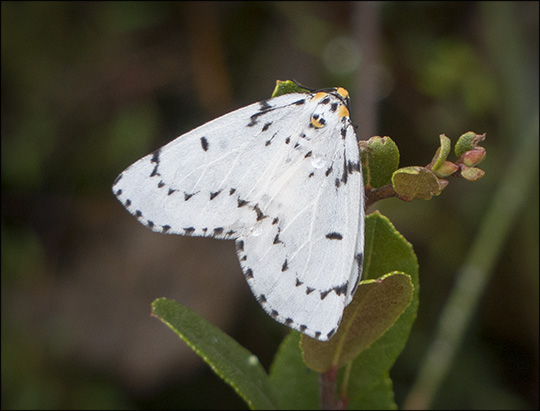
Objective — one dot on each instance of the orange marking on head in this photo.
(342, 92)
(342, 111)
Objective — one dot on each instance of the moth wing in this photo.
(204, 182)
(304, 264)
(290, 192)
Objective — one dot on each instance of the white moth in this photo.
(283, 178)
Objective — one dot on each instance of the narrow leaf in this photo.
(229, 360)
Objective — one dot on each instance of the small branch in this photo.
(379, 194)
(328, 390)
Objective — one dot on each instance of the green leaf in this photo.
(379, 397)
(287, 87)
(386, 250)
(381, 160)
(441, 154)
(376, 306)
(417, 182)
(233, 363)
(296, 384)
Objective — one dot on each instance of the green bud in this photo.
(474, 157)
(446, 169)
(472, 173)
(468, 141)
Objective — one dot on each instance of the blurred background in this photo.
(88, 88)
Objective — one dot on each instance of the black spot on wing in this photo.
(264, 105)
(249, 274)
(240, 245)
(275, 221)
(241, 203)
(117, 179)
(274, 313)
(127, 203)
(325, 100)
(309, 290)
(232, 191)
(155, 156)
(260, 214)
(342, 289)
(214, 194)
(254, 119)
(288, 321)
(285, 266)
(204, 143)
(331, 333)
(187, 196)
(328, 171)
(324, 294)
(118, 193)
(298, 283)
(299, 102)
(266, 126)
(261, 299)
(352, 166)
(218, 231)
(334, 236)
(317, 334)
(150, 224)
(165, 228)
(189, 230)
(343, 133)
(302, 327)
(308, 154)
(171, 190)
(160, 184)
(359, 259)
(268, 142)
(138, 213)
(288, 140)
(333, 107)
(155, 160)
(345, 175)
